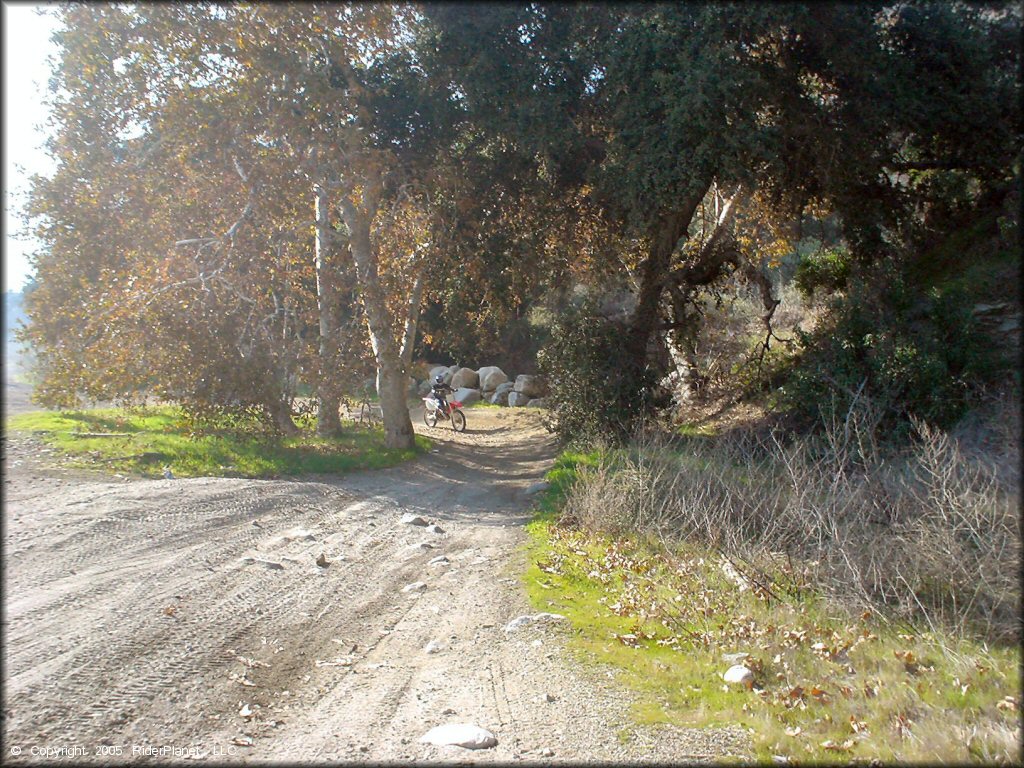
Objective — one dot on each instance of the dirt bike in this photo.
(432, 413)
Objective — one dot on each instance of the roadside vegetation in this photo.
(894, 640)
(766, 255)
(146, 441)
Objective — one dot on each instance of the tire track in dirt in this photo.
(149, 612)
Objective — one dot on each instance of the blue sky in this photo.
(26, 46)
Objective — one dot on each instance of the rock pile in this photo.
(489, 383)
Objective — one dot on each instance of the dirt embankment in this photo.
(191, 616)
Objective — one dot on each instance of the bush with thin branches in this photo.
(931, 533)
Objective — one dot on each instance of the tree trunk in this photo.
(666, 233)
(392, 385)
(412, 319)
(281, 416)
(391, 375)
(328, 398)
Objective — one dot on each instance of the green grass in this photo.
(696, 430)
(156, 437)
(829, 686)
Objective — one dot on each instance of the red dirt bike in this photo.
(433, 412)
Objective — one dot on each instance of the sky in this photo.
(26, 46)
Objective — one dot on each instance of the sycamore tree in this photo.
(238, 186)
(122, 307)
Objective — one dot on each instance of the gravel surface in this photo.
(191, 616)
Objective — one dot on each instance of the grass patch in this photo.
(144, 441)
(829, 685)
(560, 477)
(696, 430)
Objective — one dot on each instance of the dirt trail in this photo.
(142, 615)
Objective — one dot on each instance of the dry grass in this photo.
(876, 596)
(931, 535)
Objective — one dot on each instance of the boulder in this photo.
(466, 396)
(424, 388)
(490, 377)
(517, 399)
(463, 735)
(447, 371)
(538, 402)
(499, 398)
(532, 386)
(465, 377)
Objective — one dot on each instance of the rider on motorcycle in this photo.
(438, 390)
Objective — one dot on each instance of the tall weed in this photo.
(931, 533)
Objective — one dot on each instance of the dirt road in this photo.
(168, 619)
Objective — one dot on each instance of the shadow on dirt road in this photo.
(193, 615)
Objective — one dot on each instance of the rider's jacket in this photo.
(439, 390)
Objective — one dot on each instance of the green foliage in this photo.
(827, 269)
(594, 393)
(146, 440)
(912, 354)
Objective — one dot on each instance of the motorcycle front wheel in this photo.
(430, 417)
(458, 420)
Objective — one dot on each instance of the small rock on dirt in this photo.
(538, 487)
(416, 586)
(411, 519)
(433, 647)
(271, 565)
(464, 735)
(322, 561)
(439, 560)
(547, 752)
(522, 621)
(435, 529)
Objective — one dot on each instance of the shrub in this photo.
(931, 533)
(916, 356)
(593, 393)
(827, 269)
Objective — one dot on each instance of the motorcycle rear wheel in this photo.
(430, 417)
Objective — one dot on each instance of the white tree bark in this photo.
(387, 350)
(328, 400)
